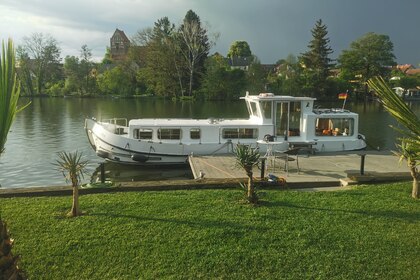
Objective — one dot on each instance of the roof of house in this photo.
(122, 34)
(413, 72)
(404, 67)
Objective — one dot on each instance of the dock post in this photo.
(262, 168)
(102, 165)
(362, 163)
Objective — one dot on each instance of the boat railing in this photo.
(117, 121)
(116, 125)
(332, 110)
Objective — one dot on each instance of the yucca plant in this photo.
(9, 96)
(9, 91)
(73, 168)
(8, 263)
(248, 157)
(409, 148)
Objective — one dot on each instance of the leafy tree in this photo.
(24, 71)
(73, 168)
(86, 68)
(256, 77)
(409, 148)
(315, 61)
(194, 47)
(247, 158)
(9, 95)
(44, 59)
(368, 56)
(221, 82)
(116, 81)
(107, 57)
(163, 71)
(73, 74)
(239, 49)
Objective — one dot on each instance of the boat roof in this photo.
(271, 97)
(190, 122)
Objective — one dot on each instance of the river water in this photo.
(52, 125)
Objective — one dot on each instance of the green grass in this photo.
(370, 232)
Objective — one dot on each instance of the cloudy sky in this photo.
(273, 28)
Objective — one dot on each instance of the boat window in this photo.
(169, 133)
(266, 109)
(143, 133)
(294, 118)
(334, 127)
(195, 133)
(240, 133)
(282, 118)
(254, 110)
(248, 133)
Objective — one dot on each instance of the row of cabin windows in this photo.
(195, 133)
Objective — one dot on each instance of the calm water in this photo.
(51, 125)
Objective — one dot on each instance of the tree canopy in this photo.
(316, 61)
(369, 56)
(239, 49)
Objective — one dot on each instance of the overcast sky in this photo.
(273, 28)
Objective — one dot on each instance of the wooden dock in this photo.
(323, 168)
(320, 170)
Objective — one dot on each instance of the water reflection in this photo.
(123, 173)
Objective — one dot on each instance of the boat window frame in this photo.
(195, 130)
(167, 133)
(137, 133)
(334, 126)
(240, 133)
(253, 106)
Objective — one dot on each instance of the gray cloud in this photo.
(273, 28)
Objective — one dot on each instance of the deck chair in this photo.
(288, 156)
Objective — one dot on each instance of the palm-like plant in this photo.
(73, 168)
(409, 149)
(247, 158)
(9, 95)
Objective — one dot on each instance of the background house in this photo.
(119, 45)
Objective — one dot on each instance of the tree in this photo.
(116, 81)
(86, 67)
(44, 55)
(73, 168)
(247, 158)
(9, 96)
(369, 56)
(256, 76)
(163, 71)
(194, 47)
(221, 82)
(285, 79)
(239, 49)
(315, 61)
(409, 148)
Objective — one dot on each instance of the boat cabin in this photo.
(294, 118)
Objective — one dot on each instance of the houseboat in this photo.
(275, 123)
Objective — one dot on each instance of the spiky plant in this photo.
(409, 148)
(9, 96)
(73, 168)
(248, 157)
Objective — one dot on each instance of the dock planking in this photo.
(327, 168)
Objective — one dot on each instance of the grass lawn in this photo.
(370, 232)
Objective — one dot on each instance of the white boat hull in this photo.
(286, 120)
